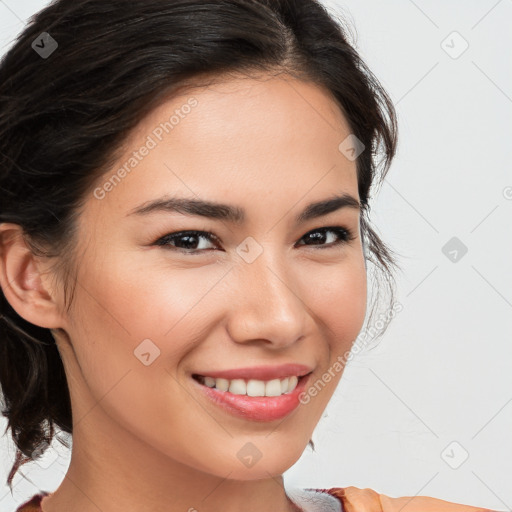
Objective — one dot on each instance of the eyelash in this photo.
(345, 235)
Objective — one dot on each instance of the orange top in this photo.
(367, 500)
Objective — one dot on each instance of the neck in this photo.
(115, 472)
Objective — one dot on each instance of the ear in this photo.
(25, 286)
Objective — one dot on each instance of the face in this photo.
(259, 288)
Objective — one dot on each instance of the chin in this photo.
(276, 463)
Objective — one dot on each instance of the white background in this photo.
(441, 376)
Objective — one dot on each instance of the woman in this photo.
(184, 241)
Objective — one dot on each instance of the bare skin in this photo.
(144, 438)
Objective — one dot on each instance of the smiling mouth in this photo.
(252, 387)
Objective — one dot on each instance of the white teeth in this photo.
(253, 387)
(238, 387)
(292, 382)
(209, 381)
(222, 384)
(273, 388)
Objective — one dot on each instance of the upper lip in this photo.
(259, 372)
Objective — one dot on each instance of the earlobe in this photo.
(21, 280)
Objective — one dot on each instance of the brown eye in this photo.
(186, 241)
(319, 236)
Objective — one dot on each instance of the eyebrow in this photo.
(235, 214)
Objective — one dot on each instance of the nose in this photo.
(268, 307)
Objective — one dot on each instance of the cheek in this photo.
(146, 299)
(127, 310)
(338, 295)
(339, 302)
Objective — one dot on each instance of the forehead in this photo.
(259, 138)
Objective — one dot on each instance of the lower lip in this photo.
(256, 408)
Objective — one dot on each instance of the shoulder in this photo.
(354, 499)
(33, 504)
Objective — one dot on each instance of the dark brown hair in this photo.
(64, 117)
